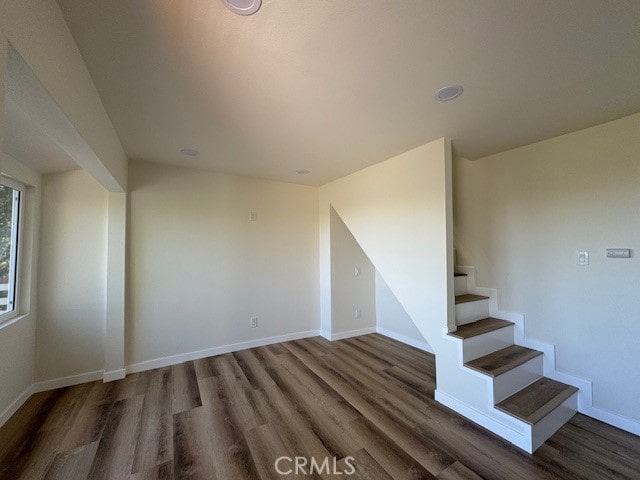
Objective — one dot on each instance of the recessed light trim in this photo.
(302, 171)
(449, 92)
(189, 152)
(243, 7)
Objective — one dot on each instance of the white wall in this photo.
(17, 340)
(399, 213)
(520, 218)
(17, 337)
(199, 269)
(380, 309)
(114, 361)
(72, 278)
(37, 30)
(348, 291)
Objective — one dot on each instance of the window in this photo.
(10, 195)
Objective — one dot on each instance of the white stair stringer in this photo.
(474, 394)
(585, 396)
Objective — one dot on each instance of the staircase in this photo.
(537, 406)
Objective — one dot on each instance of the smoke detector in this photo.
(449, 93)
(243, 7)
(189, 152)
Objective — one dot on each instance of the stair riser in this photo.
(471, 311)
(481, 345)
(460, 284)
(553, 421)
(516, 379)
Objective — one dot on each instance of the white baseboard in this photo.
(114, 375)
(67, 381)
(421, 345)
(210, 352)
(605, 416)
(618, 421)
(349, 333)
(15, 405)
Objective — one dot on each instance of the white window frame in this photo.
(16, 251)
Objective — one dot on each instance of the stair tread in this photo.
(468, 297)
(502, 361)
(459, 274)
(533, 403)
(479, 327)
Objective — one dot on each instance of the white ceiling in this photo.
(333, 86)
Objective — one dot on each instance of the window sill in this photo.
(4, 323)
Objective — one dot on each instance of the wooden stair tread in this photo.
(502, 361)
(468, 297)
(533, 403)
(459, 274)
(479, 327)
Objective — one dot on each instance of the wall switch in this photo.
(254, 322)
(618, 253)
(583, 258)
(253, 216)
(356, 271)
(358, 313)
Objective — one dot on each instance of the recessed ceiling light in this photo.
(243, 7)
(302, 171)
(449, 93)
(190, 152)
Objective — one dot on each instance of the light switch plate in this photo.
(583, 258)
(618, 253)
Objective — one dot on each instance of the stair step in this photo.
(533, 403)
(468, 297)
(479, 327)
(459, 274)
(502, 361)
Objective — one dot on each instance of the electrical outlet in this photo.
(253, 216)
(358, 313)
(356, 271)
(254, 322)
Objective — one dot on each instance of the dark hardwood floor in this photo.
(231, 416)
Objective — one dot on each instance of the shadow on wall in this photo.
(393, 320)
(362, 302)
(353, 305)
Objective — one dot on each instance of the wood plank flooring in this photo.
(479, 327)
(502, 361)
(468, 297)
(535, 402)
(231, 416)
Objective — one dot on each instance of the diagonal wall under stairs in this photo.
(400, 213)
